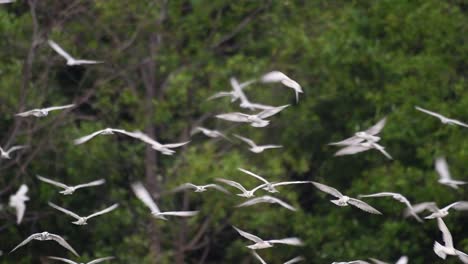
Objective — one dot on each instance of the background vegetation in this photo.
(357, 62)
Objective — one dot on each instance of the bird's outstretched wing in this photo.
(82, 140)
(328, 189)
(142, 194)
(90, 184)
(27, 113)
(346, 142)
(60, 51)
(63, 260)
(217, 187)
(375, 129)
(363, 206)
(66, 211)
(295, 260)
(87, 62)
(293, 241)
(254, 175)
(289, 183)
(14, 148)
(180, 213)
(430, 112)
(55, 183)
(246, 140)
(63, 243)
(233, 184)
(447, 237)
(219, 94)
(402, 260)
(27, 240)
(270, 112)
(353, 149)
(249, 236)
(175, 145)
(380, 194)
(234, 117)
(53, 108)
(184, 186)
(441, 167)
(104, 211)
(100, 260)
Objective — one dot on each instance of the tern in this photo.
(18, 201)
(370, 135)
(99, 260)
(444, 174)
(256, 120)
(277, 76)
(68, 190)
(402, 260)
(443, 119)
(440, 213)
(142, 194)
(362, 146)
(106, 131)
(261, 244)
(70, 60)
(448, 249)
(165, 149)
(270, 186)
(267, 199)
(209, 133)
(200, 188)
(82, 220)
(245, 193)
(397, 197)
(41, 112)
(5, 154)
(46, 236)
(254, 147)
(345, 200)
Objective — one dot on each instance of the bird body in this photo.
(68, 190)
(82, 220)
(44, 236)
(441, 213)
(43, 111)
(18, 201)
(445, 177)
(70, 60)
(245, 193)
(443, 119)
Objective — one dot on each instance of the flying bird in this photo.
(270, 186)
(245, 193)
(261, 244)
(397, 197)
(18, 201)
(361, 147)
(443, 119)
(277, 76)
(5, 154)
(41, 112)
(440, 213)
(82, 220)
(165, 149)
(46, 236)
(106, 131)
(99, 260)
(142, 194)
(444, 174)
(200, 188)
(402, 260)
(267, 199)
(448, 249)
(70, 60)
(345, 200)
(254, 147)
(68, 190)
(256, 120)
(209, 133)
(369, 134)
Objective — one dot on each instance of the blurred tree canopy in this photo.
(357, 62)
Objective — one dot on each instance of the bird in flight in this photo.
(82, 220)
(245, 193)
(99, 260)
(200, 188)
(106, 131)
(448, 248)
(267, 199)
(261, 244)
(254, 147)
(70, 60)
(142, 194)
(209, 133)
(277, 76)
(165, 149)
(361, 147)
(46, 236)
(233, 94)
(68, 190)
(270, 186)
(18, 201)
(256, 120)
(345, 200)
(397, 197)
(443, 119)
(41, 112)
(445, 178)
(440, 213)
(369, 134)
(5, 154)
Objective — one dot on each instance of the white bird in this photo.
(70, 60)
(402, 260)
(41, 112)
(82, 220)
(18, 201)
(444, 174)
(369, 134)
(448, 249)
(68, 190)
(440, 213)
(99, 260)
(5, 154)
(245, 193)
(443, 119)
(270, 186)
(200, 188)
(254, 147)
(209, 133)
(261, 244)
(233, 94)
(165, 149)
(106, 131)
(142, 194)
(345, 200)
(7, 1)
(46, 236)
(267, 199)
(256, 120)
(295, 260)
(277, 76)
(352, 262)
(360, 147)
(397, 197)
